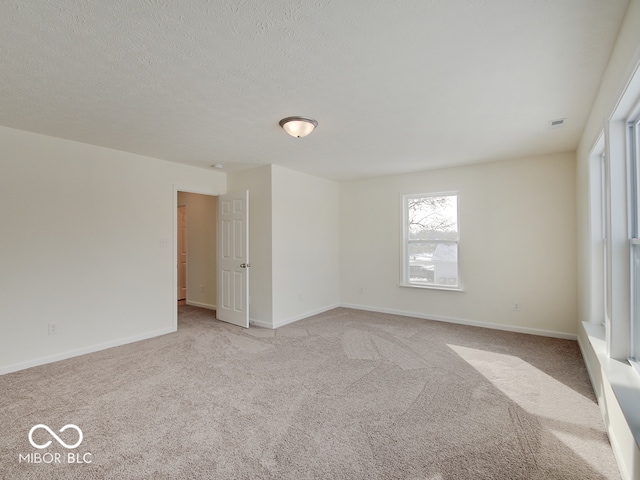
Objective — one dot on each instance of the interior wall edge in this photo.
(15, 367)
(468, 322)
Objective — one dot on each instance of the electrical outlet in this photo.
(53, 329)
(516, 306)
(202, 288)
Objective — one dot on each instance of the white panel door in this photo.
(233, 258)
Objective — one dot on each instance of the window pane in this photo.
(604, 182)
(635, 322)
(433, 263)
(433, 218)
(635, 248)
(635, 159)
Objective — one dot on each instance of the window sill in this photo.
(623, 378)
(433, 287)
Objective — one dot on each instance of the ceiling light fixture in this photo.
(298, 126)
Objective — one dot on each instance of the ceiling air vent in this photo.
(559, 123)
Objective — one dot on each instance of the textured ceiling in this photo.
(396, 86)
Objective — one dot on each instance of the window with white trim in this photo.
(604, 207)
(634, 208)
(430, 241)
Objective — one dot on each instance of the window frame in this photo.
(604, 218)
(633, 156)
(405, 242)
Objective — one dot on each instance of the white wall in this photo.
(293, 243)
(306, 222)
(81, 246)
(518, 234)
(201, 248)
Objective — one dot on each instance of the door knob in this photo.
(245, 265)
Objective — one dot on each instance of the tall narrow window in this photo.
(634, 204)
(430, 240)
(604, 182)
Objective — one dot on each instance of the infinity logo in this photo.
(58, 439)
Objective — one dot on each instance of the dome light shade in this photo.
(298, 126)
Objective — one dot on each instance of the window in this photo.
(634, 208)
(430, 241)
(604, 182)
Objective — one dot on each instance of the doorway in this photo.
(196, 249)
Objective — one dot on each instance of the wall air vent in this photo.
(559, 123)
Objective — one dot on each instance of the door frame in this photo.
(174, 246)
(179, 261)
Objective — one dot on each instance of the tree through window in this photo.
(431, 240)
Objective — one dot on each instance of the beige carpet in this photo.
(342, 395)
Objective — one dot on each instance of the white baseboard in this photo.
(439, 318)
(260, 323)
(102, 346)
(295, 318)
(82, 351)
(287, 321)
(201, 305)
(464, 321)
